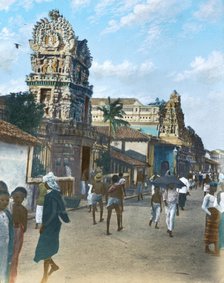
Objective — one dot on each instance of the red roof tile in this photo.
(131, 161)
(11, 134)
(123, 133)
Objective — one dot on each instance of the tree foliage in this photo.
(113, 114)
(24, 112)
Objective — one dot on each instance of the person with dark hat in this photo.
(211, 220)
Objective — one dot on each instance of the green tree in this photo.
(24, 112)
(113, 114)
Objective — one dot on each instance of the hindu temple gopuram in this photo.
(60, 65)
(59, 79)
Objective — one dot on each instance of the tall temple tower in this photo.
(60, 64)
(59, 80)
(172, 118)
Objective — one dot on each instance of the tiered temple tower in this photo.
(60, 65)
(172, 118)
(59, 79)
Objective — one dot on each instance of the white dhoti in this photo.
(170, 215)
(39, 213)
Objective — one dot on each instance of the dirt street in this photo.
(137, 254)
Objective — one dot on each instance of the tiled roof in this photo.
(125, 101)
(11, 134)
(124, 158)
(123, 133)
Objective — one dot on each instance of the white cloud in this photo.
(76, 4)
(154, 11)
(7, 49)
(211, 10)
(209, 70)
(13, 86)
(26, 4)
(124, 70)
(190, 29)
(5, 4)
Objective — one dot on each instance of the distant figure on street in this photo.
(6, 234)
(89, 197)
(98, 191)
(170, 198)
(140, 182)
(156, 207)
(200, 179)
(42, 191)
(19, 217)
(153, 178)
(183, 192)
(53, 213)
(211, 220)
(83, 184)
(122, 182)
(115, 195)
(206, 184)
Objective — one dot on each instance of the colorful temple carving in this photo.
(59, 79)
(60, 70)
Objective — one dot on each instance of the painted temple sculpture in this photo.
(59, 79)
(60, 64)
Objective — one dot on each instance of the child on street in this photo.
(156, 207)
(19, 217)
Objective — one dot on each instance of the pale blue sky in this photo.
(141, 49)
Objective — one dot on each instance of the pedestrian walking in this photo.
(219, 204)
(98, 191)
(90, 197)
(6, 234)
(170, 198)
(83, 183)
(140, 182)
(19, 217)
(156, 207)
(42, 191)
(211, 220)
(206, 184)
(183, 192)
(53, 212)
(153, 178)
(122, 182)
(115, 195)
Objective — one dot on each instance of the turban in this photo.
(51, 181)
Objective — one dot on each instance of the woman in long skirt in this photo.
(211, 220)
(219, 204)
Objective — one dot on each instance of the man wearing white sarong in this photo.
(170, 198)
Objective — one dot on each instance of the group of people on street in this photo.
(13, 223)
(51, 212)
(114, 195)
